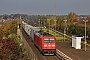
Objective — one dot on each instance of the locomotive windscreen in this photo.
(48, 39)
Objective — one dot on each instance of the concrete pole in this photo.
(65, 29)
(55, 27)
(85, 33)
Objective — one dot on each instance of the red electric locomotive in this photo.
(45, 42)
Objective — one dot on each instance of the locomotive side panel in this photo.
(38, 42)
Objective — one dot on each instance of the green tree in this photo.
(6, 34)
(14, 30)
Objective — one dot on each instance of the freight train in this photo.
(45, 42)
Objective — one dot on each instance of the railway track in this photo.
(36, 54)
(61, 33)
(59, 56)
(55, 57)
(52, 57)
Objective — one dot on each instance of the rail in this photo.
(64, 57)
(61, 33)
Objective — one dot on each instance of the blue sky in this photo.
(35, 7)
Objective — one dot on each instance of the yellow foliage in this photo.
(72, 16)
(50, 20)
(6, 26)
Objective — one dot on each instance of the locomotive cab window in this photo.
(48, 39)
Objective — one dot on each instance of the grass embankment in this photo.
(58, 36)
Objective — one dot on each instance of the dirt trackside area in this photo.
(75, 54)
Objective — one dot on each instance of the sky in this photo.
(44, 7)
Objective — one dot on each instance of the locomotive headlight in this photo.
(53, 45)
(45, 45)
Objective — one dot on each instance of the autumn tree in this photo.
(8, 28)
(88, 18)
(72, 17)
